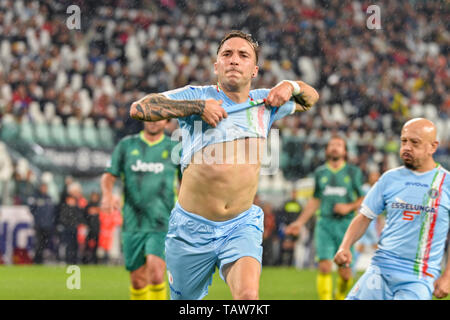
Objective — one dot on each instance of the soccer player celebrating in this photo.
(337, 194)
(416, 197)
(149, 177)
(215, 222)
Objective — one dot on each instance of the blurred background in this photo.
(65, 96)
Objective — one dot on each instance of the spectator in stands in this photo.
(70, 217)
(269, 236)
(6, 172)
(109, 223)
(21, 100)
(68, 180)
(44, 212)
(288, 213)
(92, 219)
(24, 186)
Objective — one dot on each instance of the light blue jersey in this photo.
(253, 122)
(417, 220)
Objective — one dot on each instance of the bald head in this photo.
(422, 127)
(418, 144)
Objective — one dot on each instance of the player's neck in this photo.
(239, 95)
(427, 166)
(336, 164)
(152, 137)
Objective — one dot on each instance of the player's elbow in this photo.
(136, 111)
(310, 92)
(308, 99)
(314, 96)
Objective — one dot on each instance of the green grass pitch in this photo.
(112, 283)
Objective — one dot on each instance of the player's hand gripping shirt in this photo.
(253, 122)
(417, 219)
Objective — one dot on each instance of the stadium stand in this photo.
(58, 132)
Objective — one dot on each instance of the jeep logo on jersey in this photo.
(155, 167)
(335, 191)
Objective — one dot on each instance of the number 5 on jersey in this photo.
(409, 215)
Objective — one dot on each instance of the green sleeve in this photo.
(317, 194)
(115, 165)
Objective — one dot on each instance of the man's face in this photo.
(414, 149)
(155, 127)
(43, 188)
(336, 149)
(236, 63)
(373, 177)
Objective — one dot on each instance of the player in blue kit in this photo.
(224, 126)
(407, 264)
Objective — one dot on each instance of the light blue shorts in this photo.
(379, 283)
(195, 246)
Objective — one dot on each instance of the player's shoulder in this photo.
(189, 91)
(168, 141)
(395, 173)
(203, 89)
(260, 93)
(129, 138)
(444, 170)
(353, 168)
(446, 176)
(321, 169)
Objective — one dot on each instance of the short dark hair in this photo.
(243, 35)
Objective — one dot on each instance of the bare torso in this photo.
(221, 190)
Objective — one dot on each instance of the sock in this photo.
(140, 294)
(158, 291)
(325, 286)
(342, 288)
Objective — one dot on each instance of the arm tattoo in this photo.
(306, 98)
(154, 107)
(302, 102)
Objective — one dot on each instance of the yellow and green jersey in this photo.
(332, 186)
(149, 178)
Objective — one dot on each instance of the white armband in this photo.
(295, 85)
(365, 210)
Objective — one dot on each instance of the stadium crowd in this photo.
(370, 81)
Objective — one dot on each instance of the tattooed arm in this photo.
(307, 97)
(284, 91)
(154, 107)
